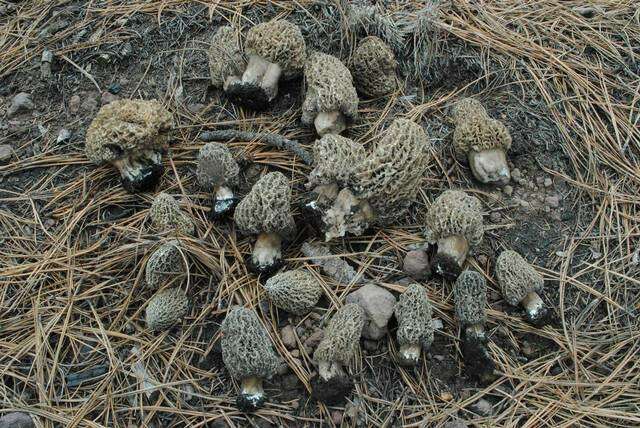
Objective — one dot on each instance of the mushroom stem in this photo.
(251, 396)
(451, 255)
(223, 202)
(331, 122)
(258, 85)
(328, 370)
(410, 354)
(535, 311)
(347, 214)
(267, 253)
(332, 384)
(490, 166)
(478, 361)
(141, 171)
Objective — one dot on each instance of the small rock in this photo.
(495, 217)
(439, 358)
(336, 417)
(16, 420)
(416, 264)
(508, 190)
(89, 104)
(523, 182)
(553, 201)
(370, 345)
(446, 396)
(314, 340)
(63, 135)
(539, 181)
(5, 152)
(20, 103)
(437, 324)
(516, 175)
(308, 323)
(483, 407)
(74, 104)
(295, 353)
(114, 88)
(455, 424)
(482, 259)
(527, 349)
(378, 305)
(300, 331)
(196, 108)
(352, 410)
(288, 336)
(547, 182)
(107, 97)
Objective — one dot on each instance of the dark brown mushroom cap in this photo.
(246, 348)
(267, 207)
(126, 126)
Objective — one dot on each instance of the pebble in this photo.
(539, 181)
(107, 97)
(196, 108)
(522, 182)
(482, 259)
(508, 190)
(63, 135)
(378, 304)
(20, 103)
(295, 353)
(446, 396)
(283, 369)
(439, 358)
(314, 340)
(89, 104)
(416, 264)
(288, 336)
(483, 407)
(74, 104)
(5, 152)
(336, 417)
(547, 182)
(516, 175)
(553, 201)
(16, 420)
(495, 217)
(455, 424)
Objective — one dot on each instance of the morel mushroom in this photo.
(225, 57)
(218, 172)
(248, 355)
(454, 222)
(131, 135)
(331, 102)
(520, 284)
(338, 347)
(295, 291)
(276, 50)
(166, 309)
(470, 293)
(374, 68)
(415, 329)
(484, 141)
(266, 212)
(165, 215)
(383, 184)
(164, 265)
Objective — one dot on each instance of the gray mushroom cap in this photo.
(516, 277)
(164, 264)
(470, 292)
(166, 215)
(413, 312)
(342, 336)
(216, 166)
(295, 291)
(166, 309)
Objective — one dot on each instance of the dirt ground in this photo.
(562, 76)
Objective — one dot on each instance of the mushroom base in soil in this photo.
(348, 214)
(489, 166)
(332, 385)
(332, 122)
(252, 396)
(535, 311)
(267, 254)
(222, 203)
(451, 255)
(258, 85)
(409, 354)
(141, 173)
(477, 360)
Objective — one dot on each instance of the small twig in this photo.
(84, 72)
(75, 379)
(272, 140)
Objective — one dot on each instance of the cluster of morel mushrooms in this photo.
(351, 189)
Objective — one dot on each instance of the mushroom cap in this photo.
(126, 126)
(390, 177)
(329, 88)
(413, 312)
(246, 347)
(374, 67)
(455, 213)
(279, 42)
(267, 207)
(335, 159)
(166, 215)
(295, 291)
(225, 56)
(216, 166)
(164, 264)
(470, 293)
(166, 308)
(516, 277)
(342, 335)
(475, 130)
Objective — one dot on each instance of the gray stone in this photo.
(516, 174)
(5, 152)
(378, 305)
(508, 190)
(74, 104)
(553, 201)
(547, 182)
(314, 340)
(288, 336)
(483, 407)
(20, 103)
(16, 420)
(416, 264)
